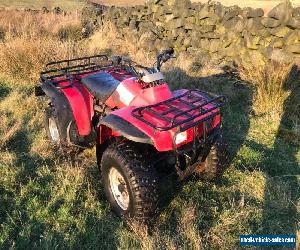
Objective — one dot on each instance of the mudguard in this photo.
(74, 104)
(81, 104)
(63, 113)
(124, 128)
(159, 128)
(135, 130)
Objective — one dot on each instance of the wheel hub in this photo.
(122, 188)
(119, 188)
(53, 129)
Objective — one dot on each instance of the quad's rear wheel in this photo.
(216, 161)
(53, 132)
(51, 126)
(130, 182)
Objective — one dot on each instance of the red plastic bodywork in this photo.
(163, 140)
(81, 102)
(129, 95)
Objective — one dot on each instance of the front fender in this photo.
(125, 128)
(122, 122)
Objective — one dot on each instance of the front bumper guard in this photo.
(195, 152)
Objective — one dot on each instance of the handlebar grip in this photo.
(169, 51)
(164, 56)
(116, 60)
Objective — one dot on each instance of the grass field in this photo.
(38, 4)
(78, 4)
(53, 201)
(267, 5)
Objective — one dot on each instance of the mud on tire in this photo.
(139, 178)
(216, 161)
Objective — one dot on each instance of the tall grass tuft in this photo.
(23, 59)
(8, 128)
(31, 40)
(271, 80)
(34, 25)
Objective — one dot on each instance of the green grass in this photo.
(67, 5)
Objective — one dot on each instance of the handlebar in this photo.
(163, 57)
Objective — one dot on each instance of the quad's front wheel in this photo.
(129, 181)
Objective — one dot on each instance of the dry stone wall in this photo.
(224, 32)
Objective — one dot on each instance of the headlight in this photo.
(181, 137)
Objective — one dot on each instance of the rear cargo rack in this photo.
(194, 100)
(82, 65)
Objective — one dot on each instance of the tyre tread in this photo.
(142, 178)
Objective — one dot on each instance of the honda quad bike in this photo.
(139, 126)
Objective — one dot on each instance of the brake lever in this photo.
(168, 57)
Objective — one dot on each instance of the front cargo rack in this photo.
(169, 112)
(67, 68)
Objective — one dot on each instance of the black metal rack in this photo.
(183, 119)
(67, 68)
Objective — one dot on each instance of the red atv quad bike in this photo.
(139, 126)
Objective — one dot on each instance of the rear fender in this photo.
(73, 103)
(64, 113)
(81, 103)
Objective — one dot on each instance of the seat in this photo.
(101, 85)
